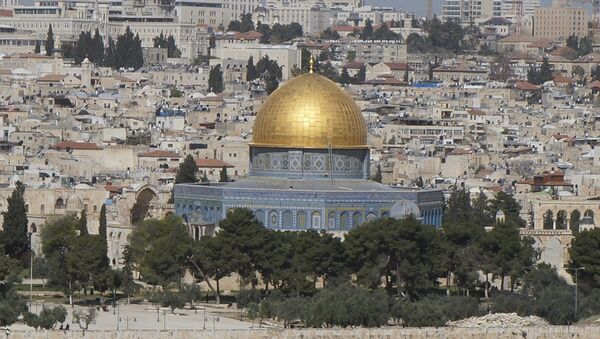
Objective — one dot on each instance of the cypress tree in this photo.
(187, 171)
(223, 175)
(97, 49)
(345, 77)
(250, 70)
(215, 79)
(14, 228)
(49, 41)
(102, 223)
(83, 230)
(37, 48)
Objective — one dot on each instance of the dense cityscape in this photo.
(299, 169)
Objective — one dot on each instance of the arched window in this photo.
(315, 220)
(60, 203)
(371, 217)
(548, 220)
(273, 219)
(589, 213)
(301, 220)
(356, 219)
(33, 228)
(561, 220)
(260, 216)
(331, 220)
(574, 222)
(287, 219)
(344, 221)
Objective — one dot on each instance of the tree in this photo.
(511, 208)
(415, 43)
(172, 299)
(330, 34)
(384, 33)
(345, 77)
(172, 50)
(57, 240)
(159, 41)
(246, 24)
(507, 253)
(585, 252)
(215, 79)
(367, 32)
(49, 45)
(251, 73)
(128, 50)
(539, 75)
(151, 244)
(14, 227)
(128, 284)
(110, 54)
(37, 48)
(102, 224)
(188, 171)
(377, 177)
(458, 206)
(500, 69)
(83, 229)
(462, 252)
(47, 319)
(97, 49)
(85, 317)
(403, 253)
(361, 75)
(223, 177)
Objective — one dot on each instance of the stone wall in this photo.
(551, 332)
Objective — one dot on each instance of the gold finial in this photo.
(311, 64)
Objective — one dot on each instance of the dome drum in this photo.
(309, 163)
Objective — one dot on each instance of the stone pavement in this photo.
(146, 317)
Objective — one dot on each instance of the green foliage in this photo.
(223, 177)
(582, 46)
(215, 79)
(404, 252)
(85, 317)
(172, 299)
(246, 24)
(161, 41)
(14, 235)
(511, 208)
(187, 172)
(585, 252)
(539, 75)
(329, 34)
(377, 176)
(128, 50)
(448, 36)
(345, 77)
(251, 72)
(158, 261)
(38, 48)
(367, 33)
(434, 311)
(128, 284)
(47, 319)
(83, 229)
(278, 33)
(384, 33)
(49, 45)
(344, 306)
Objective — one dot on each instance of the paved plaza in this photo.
(146, 317)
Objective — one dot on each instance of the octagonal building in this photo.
(309, 169)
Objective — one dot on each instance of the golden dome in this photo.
(309, 111)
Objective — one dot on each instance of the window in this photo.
(331, 220)
(316, 220)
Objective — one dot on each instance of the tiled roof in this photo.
(397, 66)
(52, 78)
(76, 145)
(212, 163)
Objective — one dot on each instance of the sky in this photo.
(418, 6)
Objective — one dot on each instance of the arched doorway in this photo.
(574, 222)
(548, 220)
(144, 202)
(561, 220)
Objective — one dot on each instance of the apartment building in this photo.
(558, 23)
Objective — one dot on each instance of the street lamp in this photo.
(576, 269)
